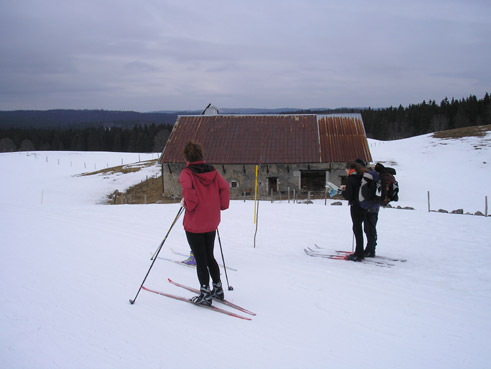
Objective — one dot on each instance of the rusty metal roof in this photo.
(342, 138)
(268, 139)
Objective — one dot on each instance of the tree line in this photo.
(403, 122)
(139, 138)
(142, 136)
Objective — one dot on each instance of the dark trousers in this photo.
(370, 228)
(357, 217)
(364, 220)
(202, 245)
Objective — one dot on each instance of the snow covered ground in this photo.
(69, 265)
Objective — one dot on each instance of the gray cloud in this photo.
(153, 55)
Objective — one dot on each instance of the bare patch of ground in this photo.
(474, 131)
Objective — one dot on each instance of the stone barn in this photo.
(295, 152)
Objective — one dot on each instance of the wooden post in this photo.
(486, 206)
(429, 208)
(255, 197)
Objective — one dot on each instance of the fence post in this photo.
(486, 206)
(429, 202)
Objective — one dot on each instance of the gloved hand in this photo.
(182, 203)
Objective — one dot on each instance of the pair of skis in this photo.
(214, 308)
(185, 264)
(381, 261)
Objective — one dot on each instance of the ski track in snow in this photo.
(69, 265)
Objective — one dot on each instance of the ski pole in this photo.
(230, 288)
(132, 301)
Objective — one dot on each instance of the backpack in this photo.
(370, 189)
(389, 186)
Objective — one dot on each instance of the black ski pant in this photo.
(202, 245)
(357, 217)
(364, 220)
(370, 228)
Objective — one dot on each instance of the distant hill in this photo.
(252, 111)
(78, 119)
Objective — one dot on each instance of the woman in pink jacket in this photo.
(205, 194)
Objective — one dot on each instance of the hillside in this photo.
(70, 264)
(79, 119)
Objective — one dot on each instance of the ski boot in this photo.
(190, 260)
(355, 257)
(217, 291)
(204, 297)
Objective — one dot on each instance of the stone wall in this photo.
(279, 177)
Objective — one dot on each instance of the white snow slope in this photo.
(69, 265)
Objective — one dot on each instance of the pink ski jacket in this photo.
(205, 194)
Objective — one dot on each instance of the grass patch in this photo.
(146, 192)
(124, 169)
(474, 131)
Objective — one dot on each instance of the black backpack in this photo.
(370, 189)
(389, 184)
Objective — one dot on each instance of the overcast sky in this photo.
(149, 55)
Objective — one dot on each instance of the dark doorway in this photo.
(313, 180)
(272, 184)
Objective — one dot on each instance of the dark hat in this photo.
(361, 162)
(380, 168)
(350, 165)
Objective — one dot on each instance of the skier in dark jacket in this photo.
(205, 194)
(370, 208)
(364, 212)
(350, 193)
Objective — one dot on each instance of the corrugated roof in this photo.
(267, 139)
(343, 138)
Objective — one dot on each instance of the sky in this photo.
(152, 55)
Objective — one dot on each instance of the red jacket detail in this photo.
(205, 193)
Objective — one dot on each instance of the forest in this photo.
(414, 120)
(88, 130)
(139, 138)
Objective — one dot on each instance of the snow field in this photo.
(69, 265)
